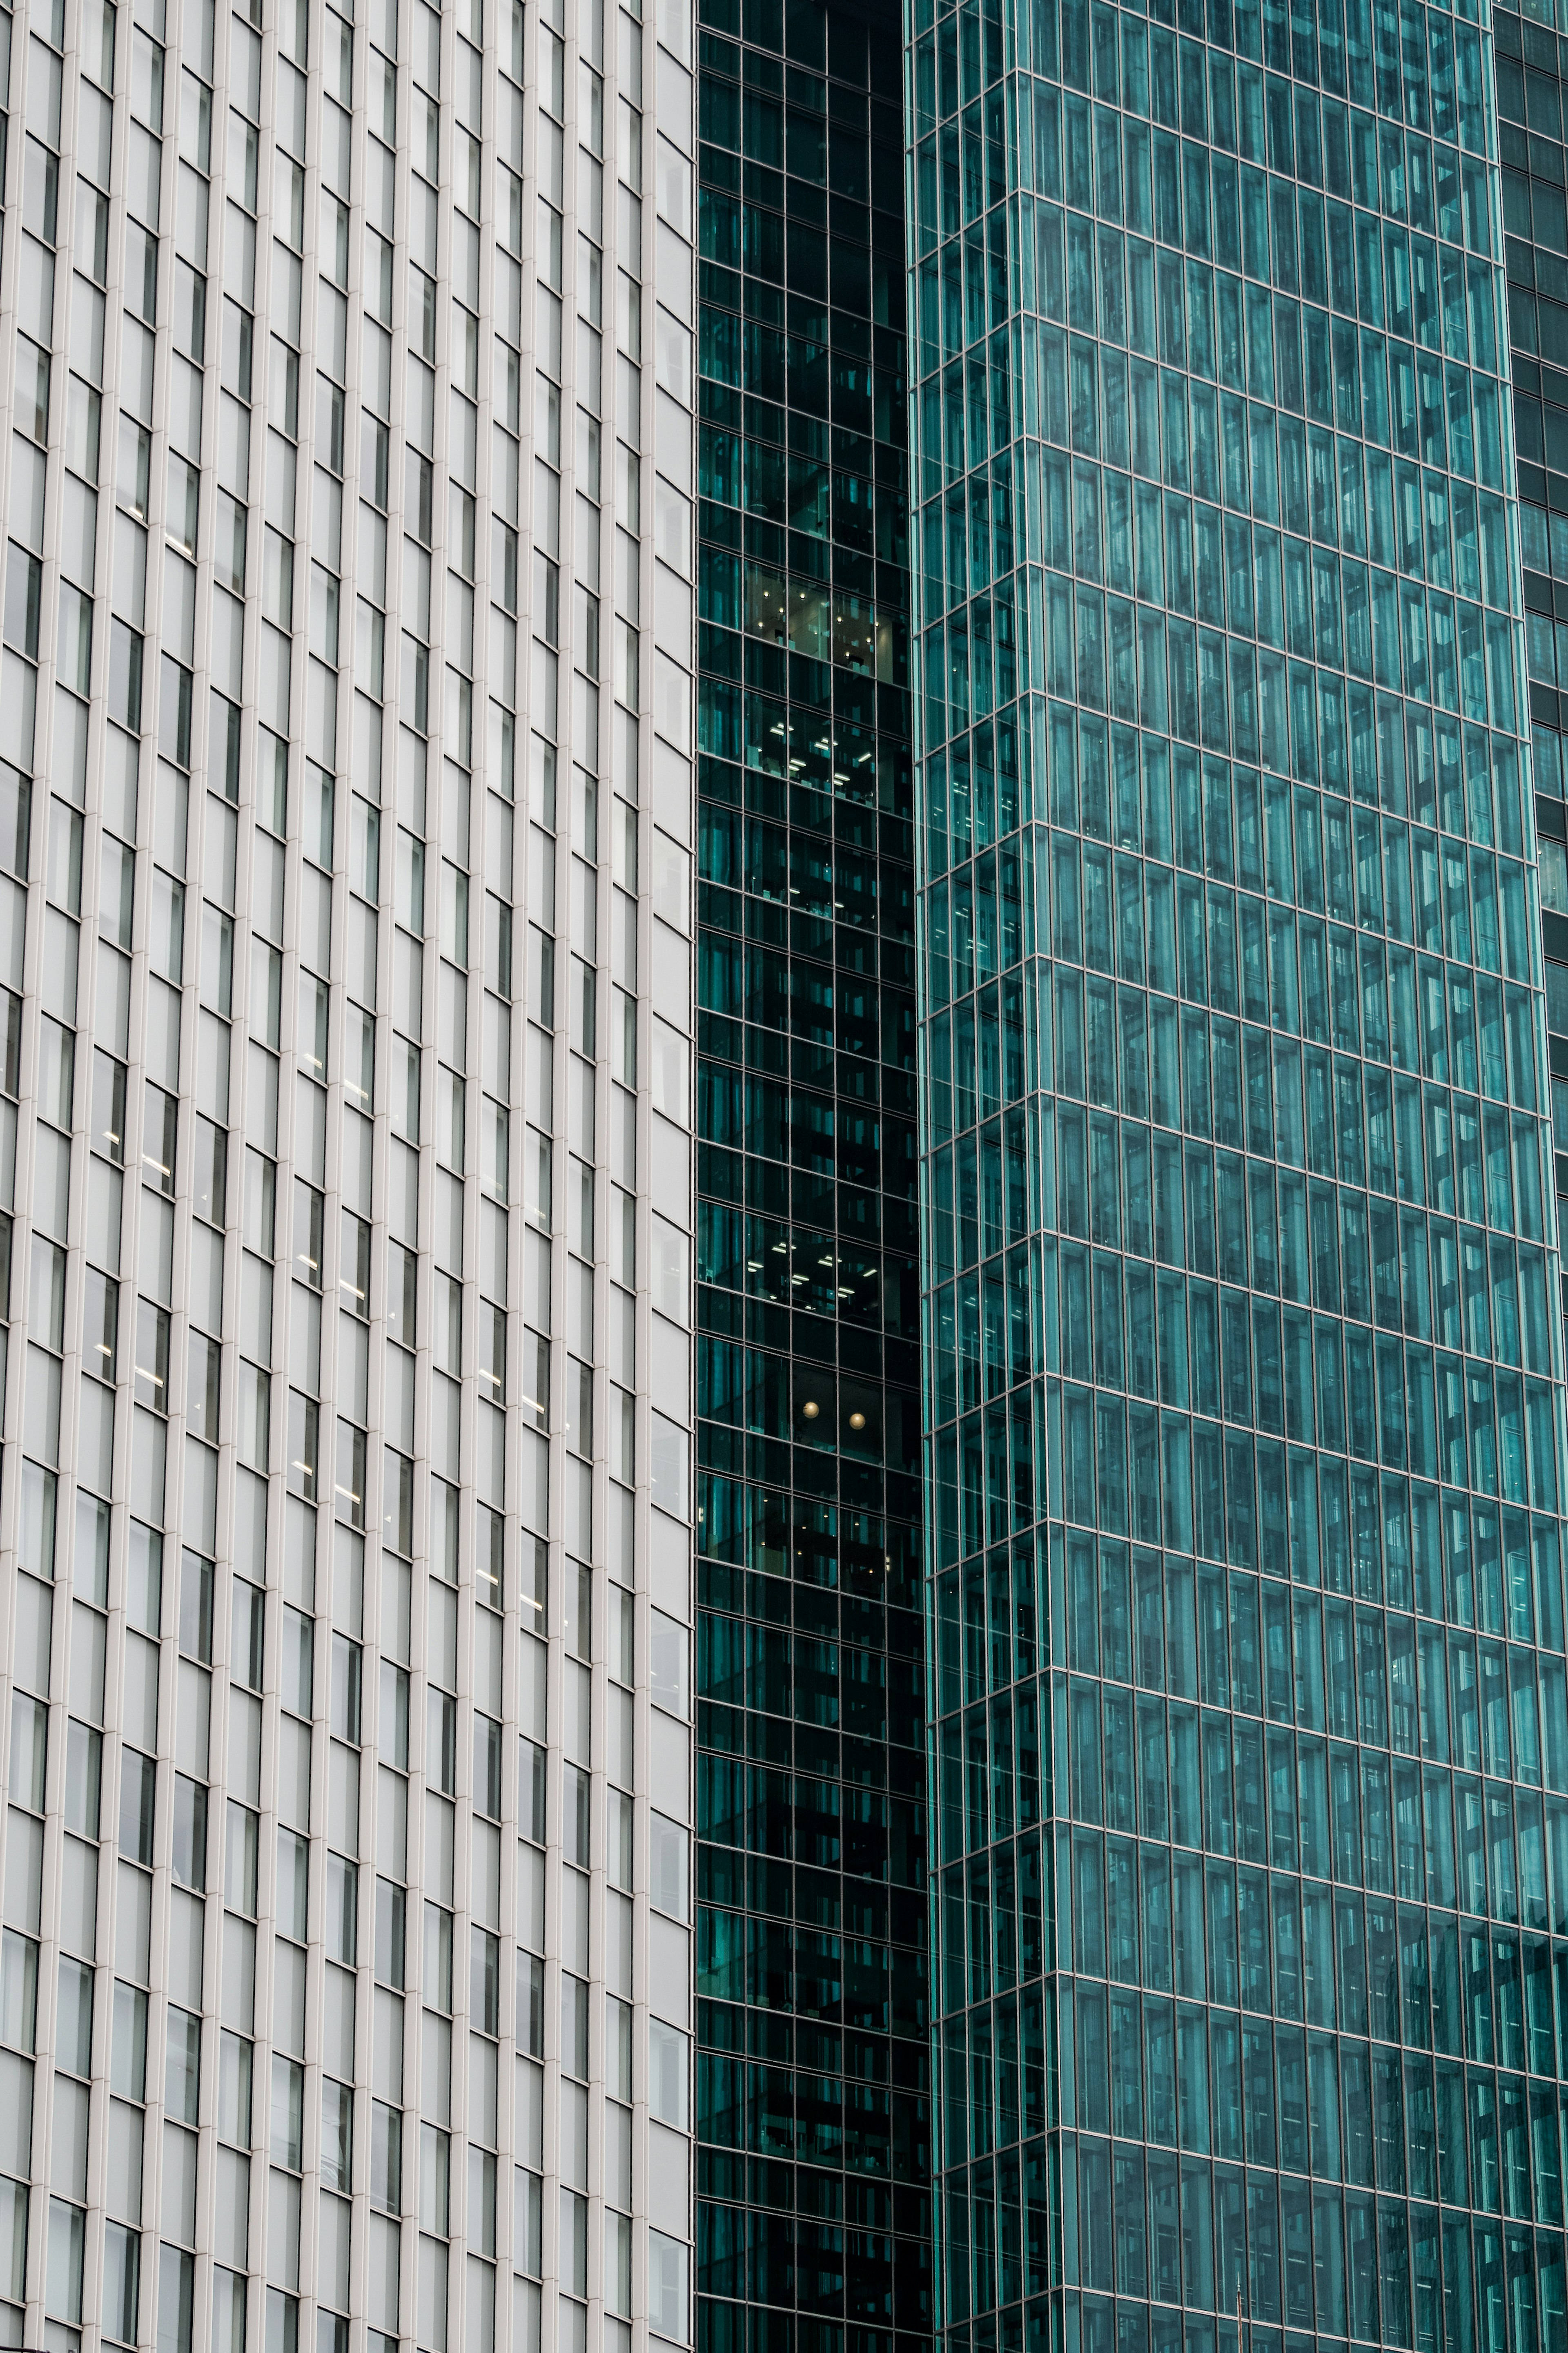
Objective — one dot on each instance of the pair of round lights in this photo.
(810, 1410)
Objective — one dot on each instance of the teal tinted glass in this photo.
(813, 2005)
(1242, 1326)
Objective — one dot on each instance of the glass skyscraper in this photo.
(1242, 1357)
(813, 2093)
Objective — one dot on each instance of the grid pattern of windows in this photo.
(1529, 92)
(812, 2216)
(345, 1169)
(1244, 1373)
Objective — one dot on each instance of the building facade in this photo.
(1249, 1740)
(812, 2224)
(348, 377)
(1043, 1272)
(1529, 145)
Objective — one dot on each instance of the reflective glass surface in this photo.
(1530, 61)
(813, 2210)
(1243, 1340)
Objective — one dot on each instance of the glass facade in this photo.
(812, 2008)
(1530, 134)
(1243, 1356)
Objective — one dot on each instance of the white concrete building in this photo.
(346, 383)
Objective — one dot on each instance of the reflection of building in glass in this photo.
(813, 2089)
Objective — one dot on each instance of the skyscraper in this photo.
(348, 367)
(1246, 1572)
(813, 2092)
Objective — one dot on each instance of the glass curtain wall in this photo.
(1529, 141)
(1243, 1366)
(812, 1998)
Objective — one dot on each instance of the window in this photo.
(669, 1867)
